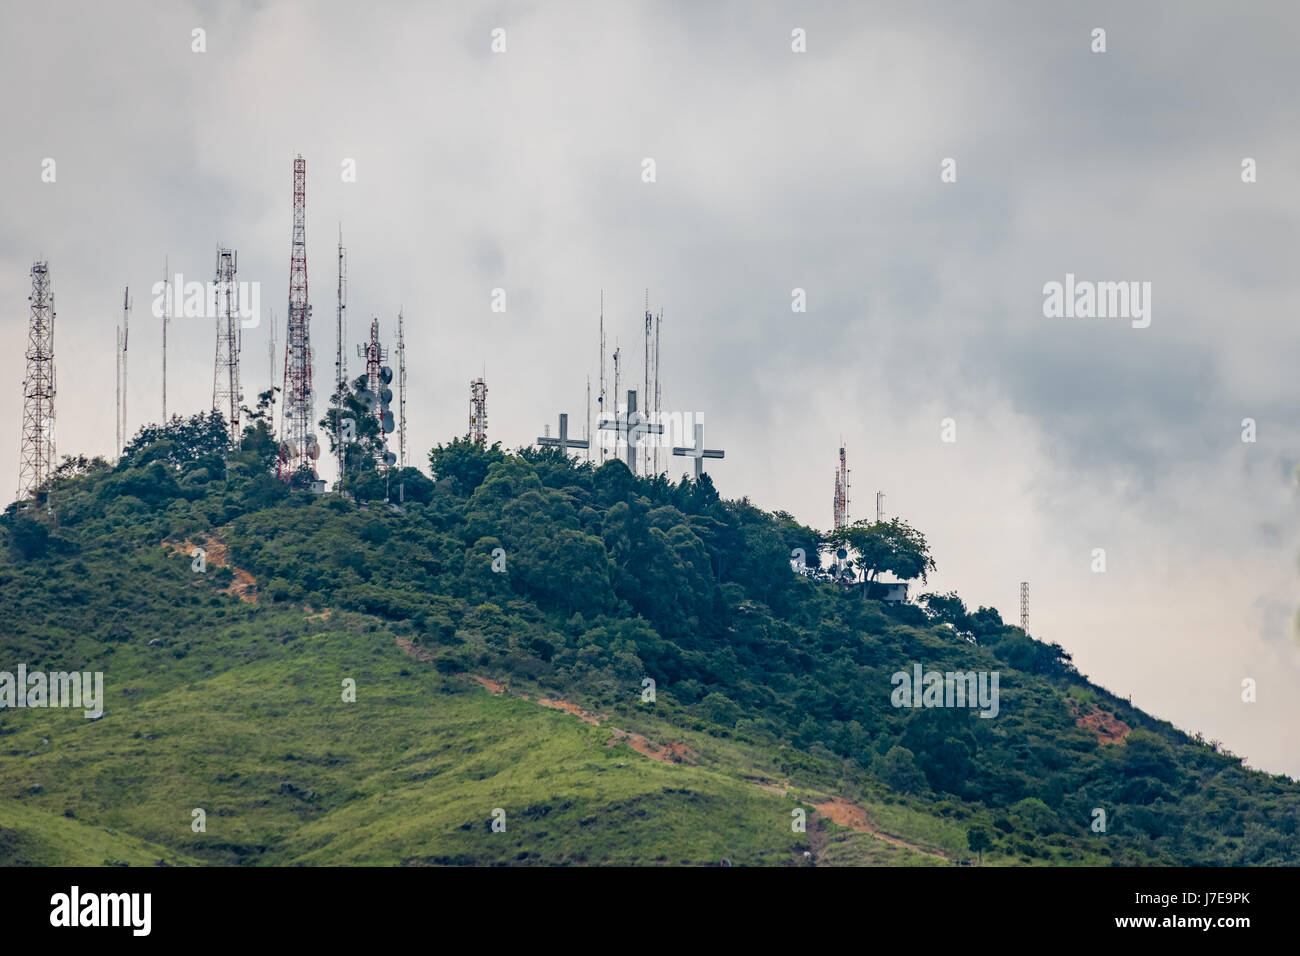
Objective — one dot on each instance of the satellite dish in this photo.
(841, 554)
(288, 450)
(387, 422)
(313, 451)
(366, 397)
(389, 458)
(311, 438)
(385, 374)
(385, 395)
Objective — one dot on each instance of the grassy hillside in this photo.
(524, 690)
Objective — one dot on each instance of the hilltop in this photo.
(527, 689)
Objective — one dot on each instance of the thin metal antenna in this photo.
(401, 387)
(657, 419)
(340, 360)
(1024, 606)
(126, 332)
(880, 506)
(166, 319)
(617, 425)
(600, 401)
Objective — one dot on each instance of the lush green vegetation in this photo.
(770, 680)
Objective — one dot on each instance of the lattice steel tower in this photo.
(842, 493)
(36, 459)
(225, 374)
(298, 447)
(401, 389)
(1024, 606)
(478, 411)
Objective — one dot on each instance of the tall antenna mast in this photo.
(600, 400)
(587, 434)
(123, 433)
(340, 360)
(1024, 606)
(478, 411)
(645, 394)
(225, 374)
(842, 492)
(658, 324)
(166, 319)
(880, 506)
(401, 389)
(298, 449)
(117, 403)
(36, 459)
(617, 421)
(270, 354)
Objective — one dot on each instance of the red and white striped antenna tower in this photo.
(298, 448)
(842, 492)
(478, 411)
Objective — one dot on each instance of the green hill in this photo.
(521, 694)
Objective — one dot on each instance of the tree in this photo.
(366, 446)
(464, 461)
(948, 609)
(899, 770)
(29, 539)
(893, 546)
(977, 838)
(258, 445)
(201, 440)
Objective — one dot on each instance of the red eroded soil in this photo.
(1108, 728)
(244, 586)
(848, 814)
(419, 653)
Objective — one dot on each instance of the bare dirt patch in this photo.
(244, 586)
(494, 686)
(569, 708)
(419, 653)
(1108, 728)
(672, 752)
(848, 814)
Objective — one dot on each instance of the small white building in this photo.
(891, 592)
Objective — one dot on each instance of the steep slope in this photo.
(670, 691)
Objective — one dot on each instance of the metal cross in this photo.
(564, 442)
(699, 452)
(635, 425)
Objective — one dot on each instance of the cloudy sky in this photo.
(774, 170)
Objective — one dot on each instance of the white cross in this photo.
(635, 425)
(564, 442)
(699, 452)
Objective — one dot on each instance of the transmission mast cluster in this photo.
(36, 461)
(298, 448)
